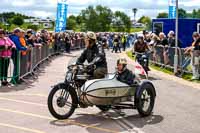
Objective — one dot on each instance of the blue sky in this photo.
(45, 8)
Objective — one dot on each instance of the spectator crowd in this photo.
(17, 45)
(15, 49)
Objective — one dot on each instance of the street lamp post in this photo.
(176, 50)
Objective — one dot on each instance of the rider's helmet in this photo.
(140, 37)
(91, 37)
(122, 61)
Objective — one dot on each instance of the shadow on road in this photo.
(109, 121)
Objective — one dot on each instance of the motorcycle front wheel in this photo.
(62, 101)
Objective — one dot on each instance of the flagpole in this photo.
(176, 50)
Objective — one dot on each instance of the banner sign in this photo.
(61, 17)
(172, 9)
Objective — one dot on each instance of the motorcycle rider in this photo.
(94, 54)
(116, 44)
(141, 47)
(123, 73)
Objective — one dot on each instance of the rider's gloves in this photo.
(90, 68)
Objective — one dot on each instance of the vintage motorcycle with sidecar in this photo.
(80, 90)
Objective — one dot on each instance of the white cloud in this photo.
(42, 14)
(22, 3)
(43, 8)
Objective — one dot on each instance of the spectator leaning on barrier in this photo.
(15, 53)
(67, 43)
(172, 40)
(163, 39)
(23, 41)
(155, 40)
(6, 46)
(29, 37)
(196, 56)
(44, 35)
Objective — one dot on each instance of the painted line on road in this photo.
(38, 95)
(20, 128)
(50, 118)
(127, 125)
(120, 120)
(36, 104)
(20, 101)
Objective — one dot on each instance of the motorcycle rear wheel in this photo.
(145, 101)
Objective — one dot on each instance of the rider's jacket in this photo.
(140, 48)
(126, 77)
(94, 55)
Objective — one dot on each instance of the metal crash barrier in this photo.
(25, 63)
(164, 56)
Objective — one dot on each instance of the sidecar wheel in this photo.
(145, 100)
(62, 101)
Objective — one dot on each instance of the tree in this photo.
(162, 15)
(135, 12)
(18, 20)
(71, 23)
(122, 22)
(97, 19)
(145, 20)
(182, 13)
(196, 13)
(34, 27)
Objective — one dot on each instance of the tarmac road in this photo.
(23, 109)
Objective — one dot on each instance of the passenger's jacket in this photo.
(17, 43)
(126, 77)
(94, 55)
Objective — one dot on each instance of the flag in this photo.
(61, 17)
(139, 70)
(172, 9)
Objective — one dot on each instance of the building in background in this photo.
(46, 23)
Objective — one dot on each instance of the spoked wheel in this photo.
(62, 101)
(145, 100)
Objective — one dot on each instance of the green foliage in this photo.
(34, 27)
(71, 23)
(136, 29)
(121, 22)
(96, 19)
(99, 18)
(146, 20)
(182, 13)
(18, 20)
(162, 15)
(7, 17)
(196, 13)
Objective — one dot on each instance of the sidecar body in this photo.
(106, 91)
